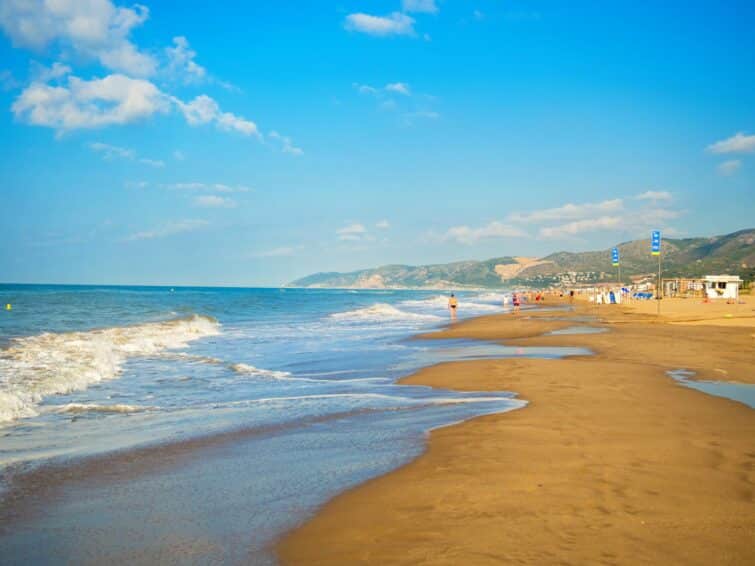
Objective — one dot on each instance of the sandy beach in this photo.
(612, 461)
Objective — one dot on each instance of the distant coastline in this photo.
(732, 254)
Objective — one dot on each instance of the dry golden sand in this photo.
(612, 462)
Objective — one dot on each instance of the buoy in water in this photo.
(8, 307)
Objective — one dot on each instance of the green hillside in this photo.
(689, 257)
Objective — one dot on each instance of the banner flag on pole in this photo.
(615, 257)
(655, 242)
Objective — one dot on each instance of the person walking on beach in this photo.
(452, 305)
(517, 302)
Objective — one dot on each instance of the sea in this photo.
(197, 425)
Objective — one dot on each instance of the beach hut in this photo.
(722, 286)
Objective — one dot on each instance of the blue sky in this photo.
(252, 144)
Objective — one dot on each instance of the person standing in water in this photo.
(517, 302)
(452, 305)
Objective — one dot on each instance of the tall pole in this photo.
(655, 249)
(660, 286)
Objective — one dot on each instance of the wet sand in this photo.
(612, 461)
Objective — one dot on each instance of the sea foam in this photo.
(36, 367)
(382, 312)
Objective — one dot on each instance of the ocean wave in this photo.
(493, 297)
(246, 369)
(386, 401)
(36, 367)
(382, 312)
(95, 408)
(438, 302)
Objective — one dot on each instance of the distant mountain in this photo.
(688, 257)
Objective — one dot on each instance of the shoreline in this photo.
(611, 460)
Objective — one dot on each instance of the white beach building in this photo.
(722, 286)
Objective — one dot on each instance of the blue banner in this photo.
(615, 257)
(655, 242)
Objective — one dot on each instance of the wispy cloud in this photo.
(421, 6)
(213, 201)
(152, 162)
(215, 187)
(400, 88)
(738, 143)
(567, 211)
(493, 230)
(395, 23)
(181, 62)
(109, 152)
(204, 110)
(353, 232)
(655, 196)
(285, 143)
(580, 226)
(382, 224)
(390, 88)
(168, 229)
(728, 168)
(399, 97)
(640, 212)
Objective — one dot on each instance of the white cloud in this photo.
(730, 167)
(204, 110)
(109, 151)
(494, 230)
(169, 229)
(181, 62)
(115, 99)
(396, 88)
(567, 211)
(213, 201)
(94, 29)
(383, 224)
(400, 88)
(738, 143)
(152, 162)
(43, 74)
(395, 23)
(352, 233)
(579, 226)
(217, 187)
(570, 220)
(286, 145)
(423, 6)
(365, 89)
(655, 196)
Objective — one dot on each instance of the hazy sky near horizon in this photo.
(253, 143)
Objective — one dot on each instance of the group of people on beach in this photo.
(516, 301)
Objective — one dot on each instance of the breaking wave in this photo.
(78, 408)
(382, 312)
(36, 367)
